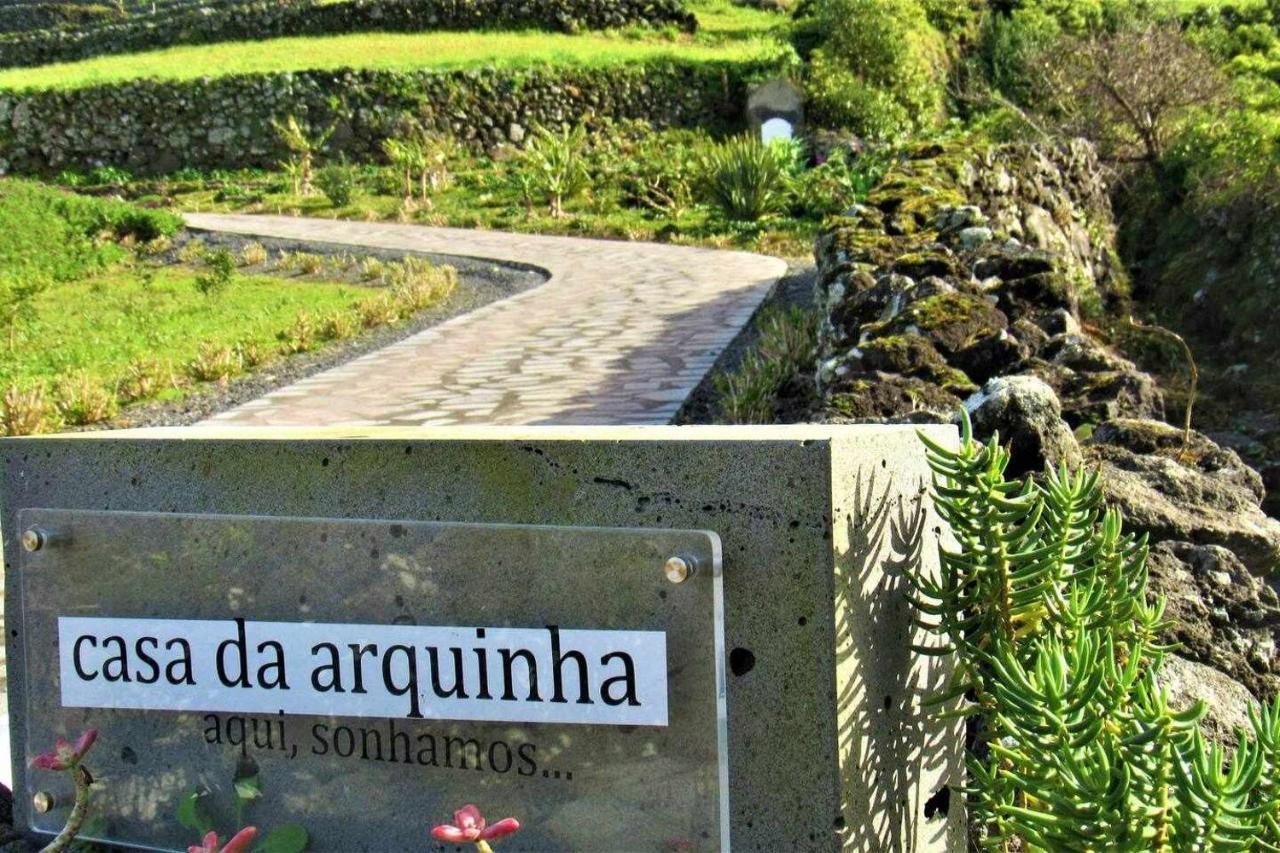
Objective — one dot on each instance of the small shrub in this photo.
(110, 176)
(783, 355)
(744, 179)
(1054, 653)
(214, 363)
(303, 147)
(192, 252)
(381, 310)
(82, 400)
(418, 284)
(309, 263)
(253, 254)
(338, 183)
(372, 268)
(25, 411)
(300, 337)
(252, 354)
(338, 326)
(221, 267)
(144, 378)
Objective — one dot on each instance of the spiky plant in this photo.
(1044, 607)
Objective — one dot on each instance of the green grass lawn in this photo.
(727, 33)
(104, 323)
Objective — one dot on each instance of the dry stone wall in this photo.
(965, 280)
(155, 127)
(261, 19)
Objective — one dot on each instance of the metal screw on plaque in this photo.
(680, 568)
(42, 802)
(33, 539)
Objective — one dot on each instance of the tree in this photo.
(1127, 90)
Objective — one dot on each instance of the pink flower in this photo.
(64, 755)
(239, 844)
(468, 825)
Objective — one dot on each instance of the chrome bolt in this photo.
(33, 539)
(42, 802)
(679, 569)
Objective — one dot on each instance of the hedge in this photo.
(262, 19)
(156, 127)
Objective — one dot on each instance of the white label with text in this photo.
(526, 675)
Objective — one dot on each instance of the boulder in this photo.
(1219, 614)
(887, 396)
(1203, 494)
(1028, 417)
(1226, 701)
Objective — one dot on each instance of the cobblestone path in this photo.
(620, 333)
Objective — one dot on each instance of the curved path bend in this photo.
(620, 333)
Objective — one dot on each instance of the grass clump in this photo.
(777, 368)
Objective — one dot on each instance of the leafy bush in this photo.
(220, 271)
(338, 183)
(881, 69)
(744, 179)
(1044, 610)
(835, 185)
(654, 171)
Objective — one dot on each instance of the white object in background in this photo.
(775, 128)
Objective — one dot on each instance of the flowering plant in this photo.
(67, 757)
(469, 826)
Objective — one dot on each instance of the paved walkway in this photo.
(621, 333)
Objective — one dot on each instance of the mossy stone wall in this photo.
(152, 127)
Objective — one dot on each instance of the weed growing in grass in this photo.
(82, 400)
(372, 268)
(25, 411)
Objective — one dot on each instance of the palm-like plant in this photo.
(744, 178)
(303, 148)
(1045, 612)
(555, 165)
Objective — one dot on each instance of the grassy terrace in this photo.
(727, 33)
(104, 323)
